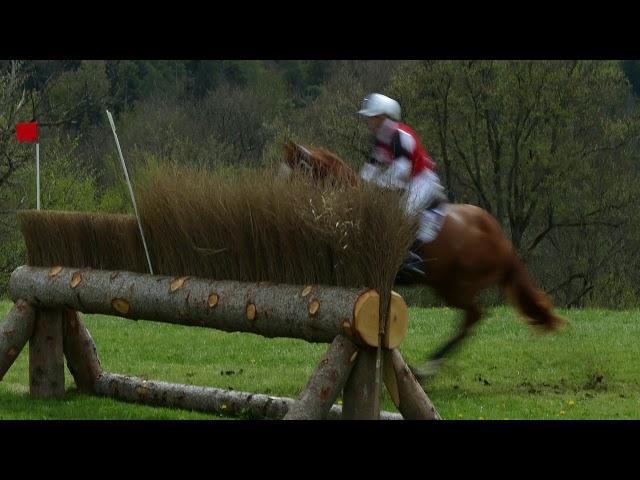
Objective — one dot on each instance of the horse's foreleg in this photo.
(472, 315)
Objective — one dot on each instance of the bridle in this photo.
(304, 163)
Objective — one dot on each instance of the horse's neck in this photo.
(337, 163)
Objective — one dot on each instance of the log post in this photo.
(407, 394)
(326, 383)
(390, 379)
(80, 352)
(14, 333)
(46, 358)
(360, 396)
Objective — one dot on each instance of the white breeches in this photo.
(421, 191)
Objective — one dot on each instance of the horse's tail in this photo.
(533, 304)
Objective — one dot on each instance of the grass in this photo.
(504, 371)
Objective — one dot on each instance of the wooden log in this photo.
(80, 351)
(390, 379)
(203, 399)
(361, 399)
(407, 394)
(262, 308)
(397, 323)
(326, 383)
(14, 333)
(46, 358)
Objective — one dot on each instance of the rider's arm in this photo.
(369, 172)
(398, 174)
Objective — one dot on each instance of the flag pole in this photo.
(38, 175)
(133, 198)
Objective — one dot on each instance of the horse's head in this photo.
(298, 157)
(318, 163)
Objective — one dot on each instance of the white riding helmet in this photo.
(377, 104)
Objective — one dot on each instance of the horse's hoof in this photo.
(420, 373)
(429, 369)
(417, 373)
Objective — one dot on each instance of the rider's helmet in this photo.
(378, 104)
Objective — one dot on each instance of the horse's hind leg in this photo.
(471, 317)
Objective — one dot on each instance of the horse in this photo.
(469, 254)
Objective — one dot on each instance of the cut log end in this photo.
(75, 280)
(120, 305)
(177, 283)
(365, 317)
(251, 311)
(314, 306)
(397, 323)
(212, 301)
(53, 271)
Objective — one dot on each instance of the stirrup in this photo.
(412, 258)
(409, 273)
(439, 201)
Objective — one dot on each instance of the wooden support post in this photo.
(46, 358)
(326, 383)
(14, 333)
(407, 394)
(361, 398)
(80, 352)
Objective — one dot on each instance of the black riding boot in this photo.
(412, 268)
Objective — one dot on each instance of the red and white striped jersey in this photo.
(395, 140)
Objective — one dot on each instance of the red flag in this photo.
(27, 132)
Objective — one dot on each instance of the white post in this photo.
(133, 198)
(38, 175)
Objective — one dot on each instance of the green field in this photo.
(590, 370)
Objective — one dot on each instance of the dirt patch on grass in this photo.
(594, 381)
(543, 387)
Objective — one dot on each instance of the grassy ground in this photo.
(505, 371)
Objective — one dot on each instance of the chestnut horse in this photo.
(469, 254)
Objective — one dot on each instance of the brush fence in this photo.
(45, 313)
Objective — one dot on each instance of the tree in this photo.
(75, 99)
(539, 144)
(13, 108)
(631, 69)
(331, 121)
(66, 185)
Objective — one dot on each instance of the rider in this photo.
(398, 160)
